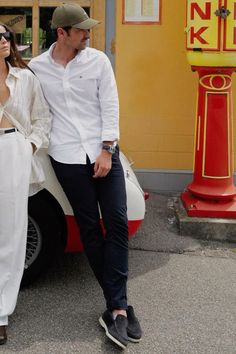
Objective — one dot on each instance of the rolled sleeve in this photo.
(109, 103)
(40, 118)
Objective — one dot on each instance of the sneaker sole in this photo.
(133, 340)
(104, 326)
(3, 341)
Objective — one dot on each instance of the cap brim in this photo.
(87, 24)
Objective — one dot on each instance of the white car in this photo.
(51, 225)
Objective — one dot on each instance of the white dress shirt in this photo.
(27, 110)
(84, 103)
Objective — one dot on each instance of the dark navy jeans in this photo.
(108, 257)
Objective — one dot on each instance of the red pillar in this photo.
(212, 191)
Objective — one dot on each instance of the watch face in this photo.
(113, 149)
(110, 148)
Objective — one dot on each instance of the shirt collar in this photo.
(50, 50)
(80, 56)
(14, 71)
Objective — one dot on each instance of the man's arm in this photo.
(109, 103)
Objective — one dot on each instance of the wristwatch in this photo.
(111, 148)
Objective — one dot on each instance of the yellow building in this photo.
(157, 88)
(158, 97)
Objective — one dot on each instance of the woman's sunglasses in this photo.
(5, 35)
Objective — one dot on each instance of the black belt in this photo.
(7, 131)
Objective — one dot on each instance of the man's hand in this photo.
(102, 164)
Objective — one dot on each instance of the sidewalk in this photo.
(159, 231)
(187, 286)
(183, 290)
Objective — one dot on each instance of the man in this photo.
(79, 85)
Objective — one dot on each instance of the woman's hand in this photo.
(34, 148)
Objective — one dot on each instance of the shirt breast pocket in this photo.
(86, 85)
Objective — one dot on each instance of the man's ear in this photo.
(60, 32)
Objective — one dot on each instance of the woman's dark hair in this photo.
(14, 58)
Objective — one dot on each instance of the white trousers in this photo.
(15, 167)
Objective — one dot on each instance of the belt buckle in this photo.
(2, 132)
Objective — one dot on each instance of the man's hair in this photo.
(67, 28)
(14, 58)
(54, 31)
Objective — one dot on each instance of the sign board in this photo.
(230, 27)
(141, 11)
(16, 22)
(208, 31)
(203, 26)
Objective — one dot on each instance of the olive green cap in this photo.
(69, 15)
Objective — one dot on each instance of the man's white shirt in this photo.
(83, 101)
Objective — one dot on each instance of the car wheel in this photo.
(46, 237)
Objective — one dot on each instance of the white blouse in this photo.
(27, 110)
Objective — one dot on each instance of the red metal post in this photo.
(212, 191)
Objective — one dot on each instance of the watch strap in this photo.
(111, 148)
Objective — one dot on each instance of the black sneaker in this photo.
(3, 334)
(134, 330)
(116, 329)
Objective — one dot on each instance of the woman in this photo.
(24, 127)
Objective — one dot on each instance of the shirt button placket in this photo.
(66, 88)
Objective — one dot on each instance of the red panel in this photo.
(216, 149)
(74, 243)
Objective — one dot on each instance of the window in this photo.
(31, 23)
(20, 20)
(46, 35)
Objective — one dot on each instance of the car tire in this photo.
(46, 237)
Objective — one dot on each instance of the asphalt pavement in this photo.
(183, 291)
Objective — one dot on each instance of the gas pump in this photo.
(211, 52)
